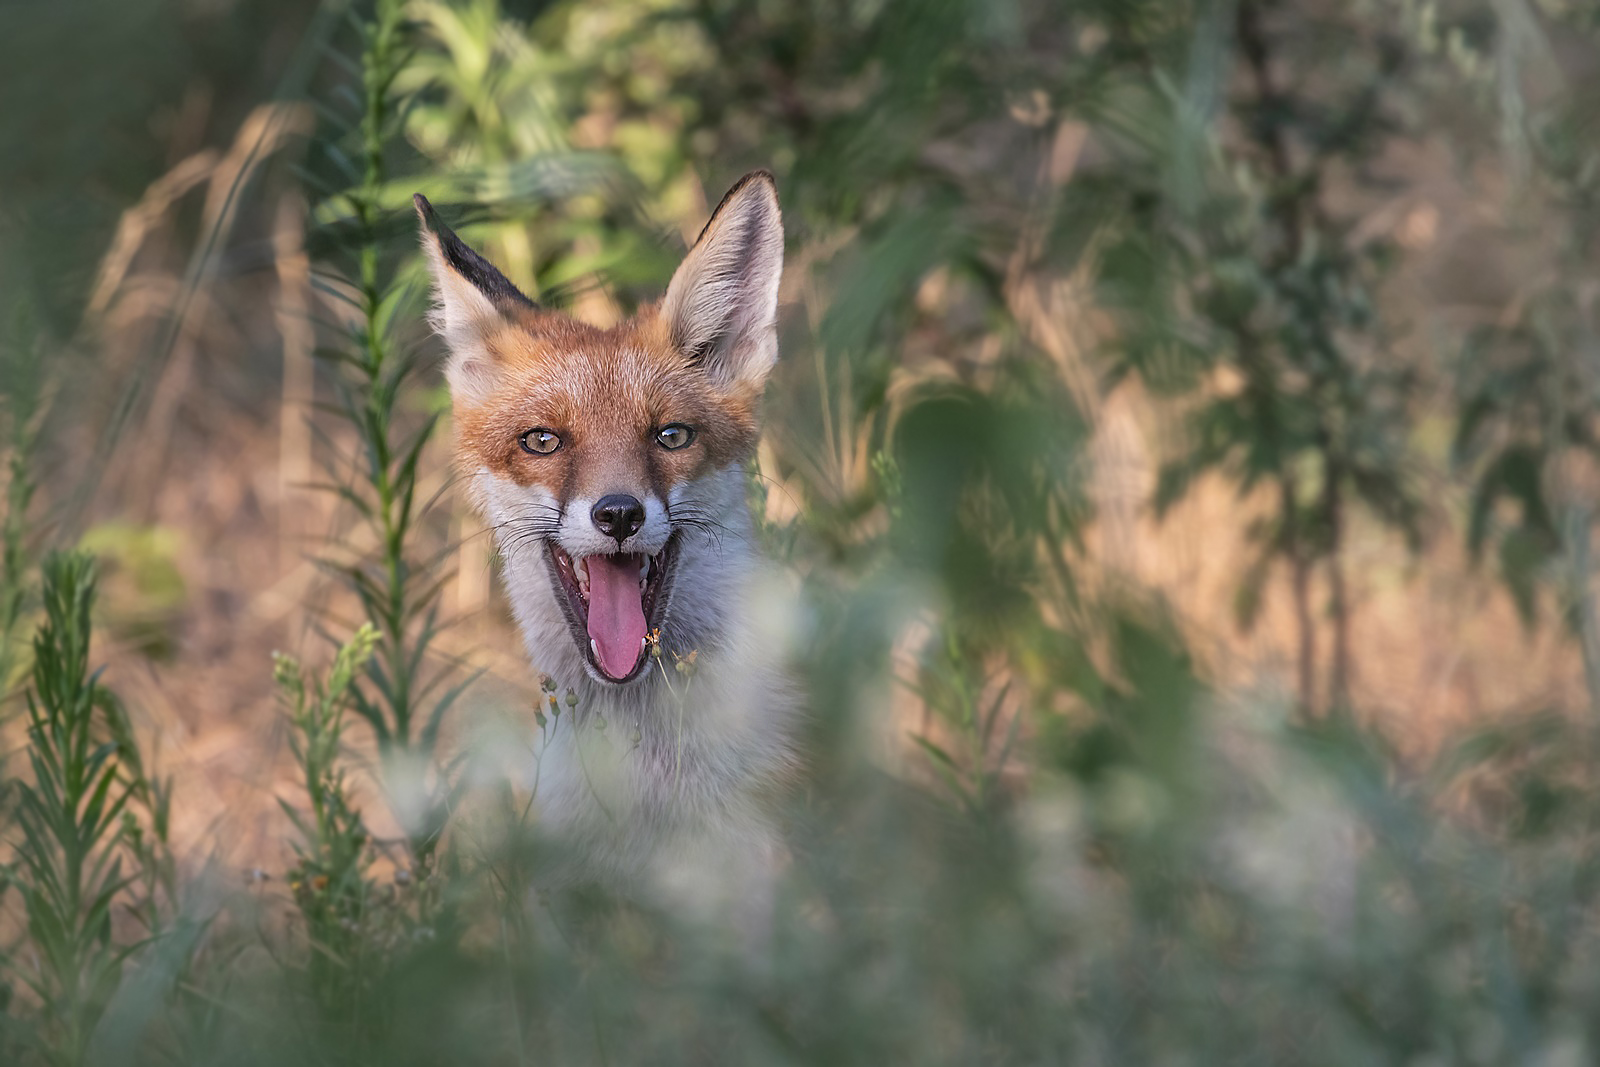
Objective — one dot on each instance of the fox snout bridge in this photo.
(618, 515)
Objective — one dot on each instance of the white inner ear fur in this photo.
(722, 304)
(465, 319)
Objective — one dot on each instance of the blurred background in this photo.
(1182, 459)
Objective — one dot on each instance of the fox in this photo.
(610, 466)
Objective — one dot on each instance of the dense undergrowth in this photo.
(1087, 848)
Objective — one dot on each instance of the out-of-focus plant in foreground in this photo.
(81, 848)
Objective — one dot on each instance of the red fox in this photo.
(610, 465)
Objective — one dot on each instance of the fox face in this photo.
(603, 455)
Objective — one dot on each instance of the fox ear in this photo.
(722, 304)
(472, 301)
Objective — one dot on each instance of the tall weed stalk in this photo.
(396, 694)
(330, 880)
(80, 848)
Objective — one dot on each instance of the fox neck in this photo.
(713, 565)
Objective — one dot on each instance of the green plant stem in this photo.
(380, 64)
(398, 597)
(74, 834)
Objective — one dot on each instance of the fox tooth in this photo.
(594, 646)
(580, 567)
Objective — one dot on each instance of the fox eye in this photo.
(675, 436)
(539, 442)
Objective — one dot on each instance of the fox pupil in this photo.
(675, 436)
(540, 442)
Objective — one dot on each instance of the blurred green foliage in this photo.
(80, 853)
(999, 211)
(142, 590)
(20, 361)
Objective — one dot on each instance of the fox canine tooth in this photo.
(594, 646)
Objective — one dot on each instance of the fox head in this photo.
(604, 458)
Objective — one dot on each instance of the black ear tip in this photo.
(424, 211)
(760, 176)
(755, 177)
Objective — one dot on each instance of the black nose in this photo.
(618, 515)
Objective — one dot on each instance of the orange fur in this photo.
(605, 393)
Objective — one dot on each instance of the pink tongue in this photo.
(616, 612)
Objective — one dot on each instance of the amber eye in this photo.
(539, 442)
(675, 436)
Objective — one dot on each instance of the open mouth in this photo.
(614, 602)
